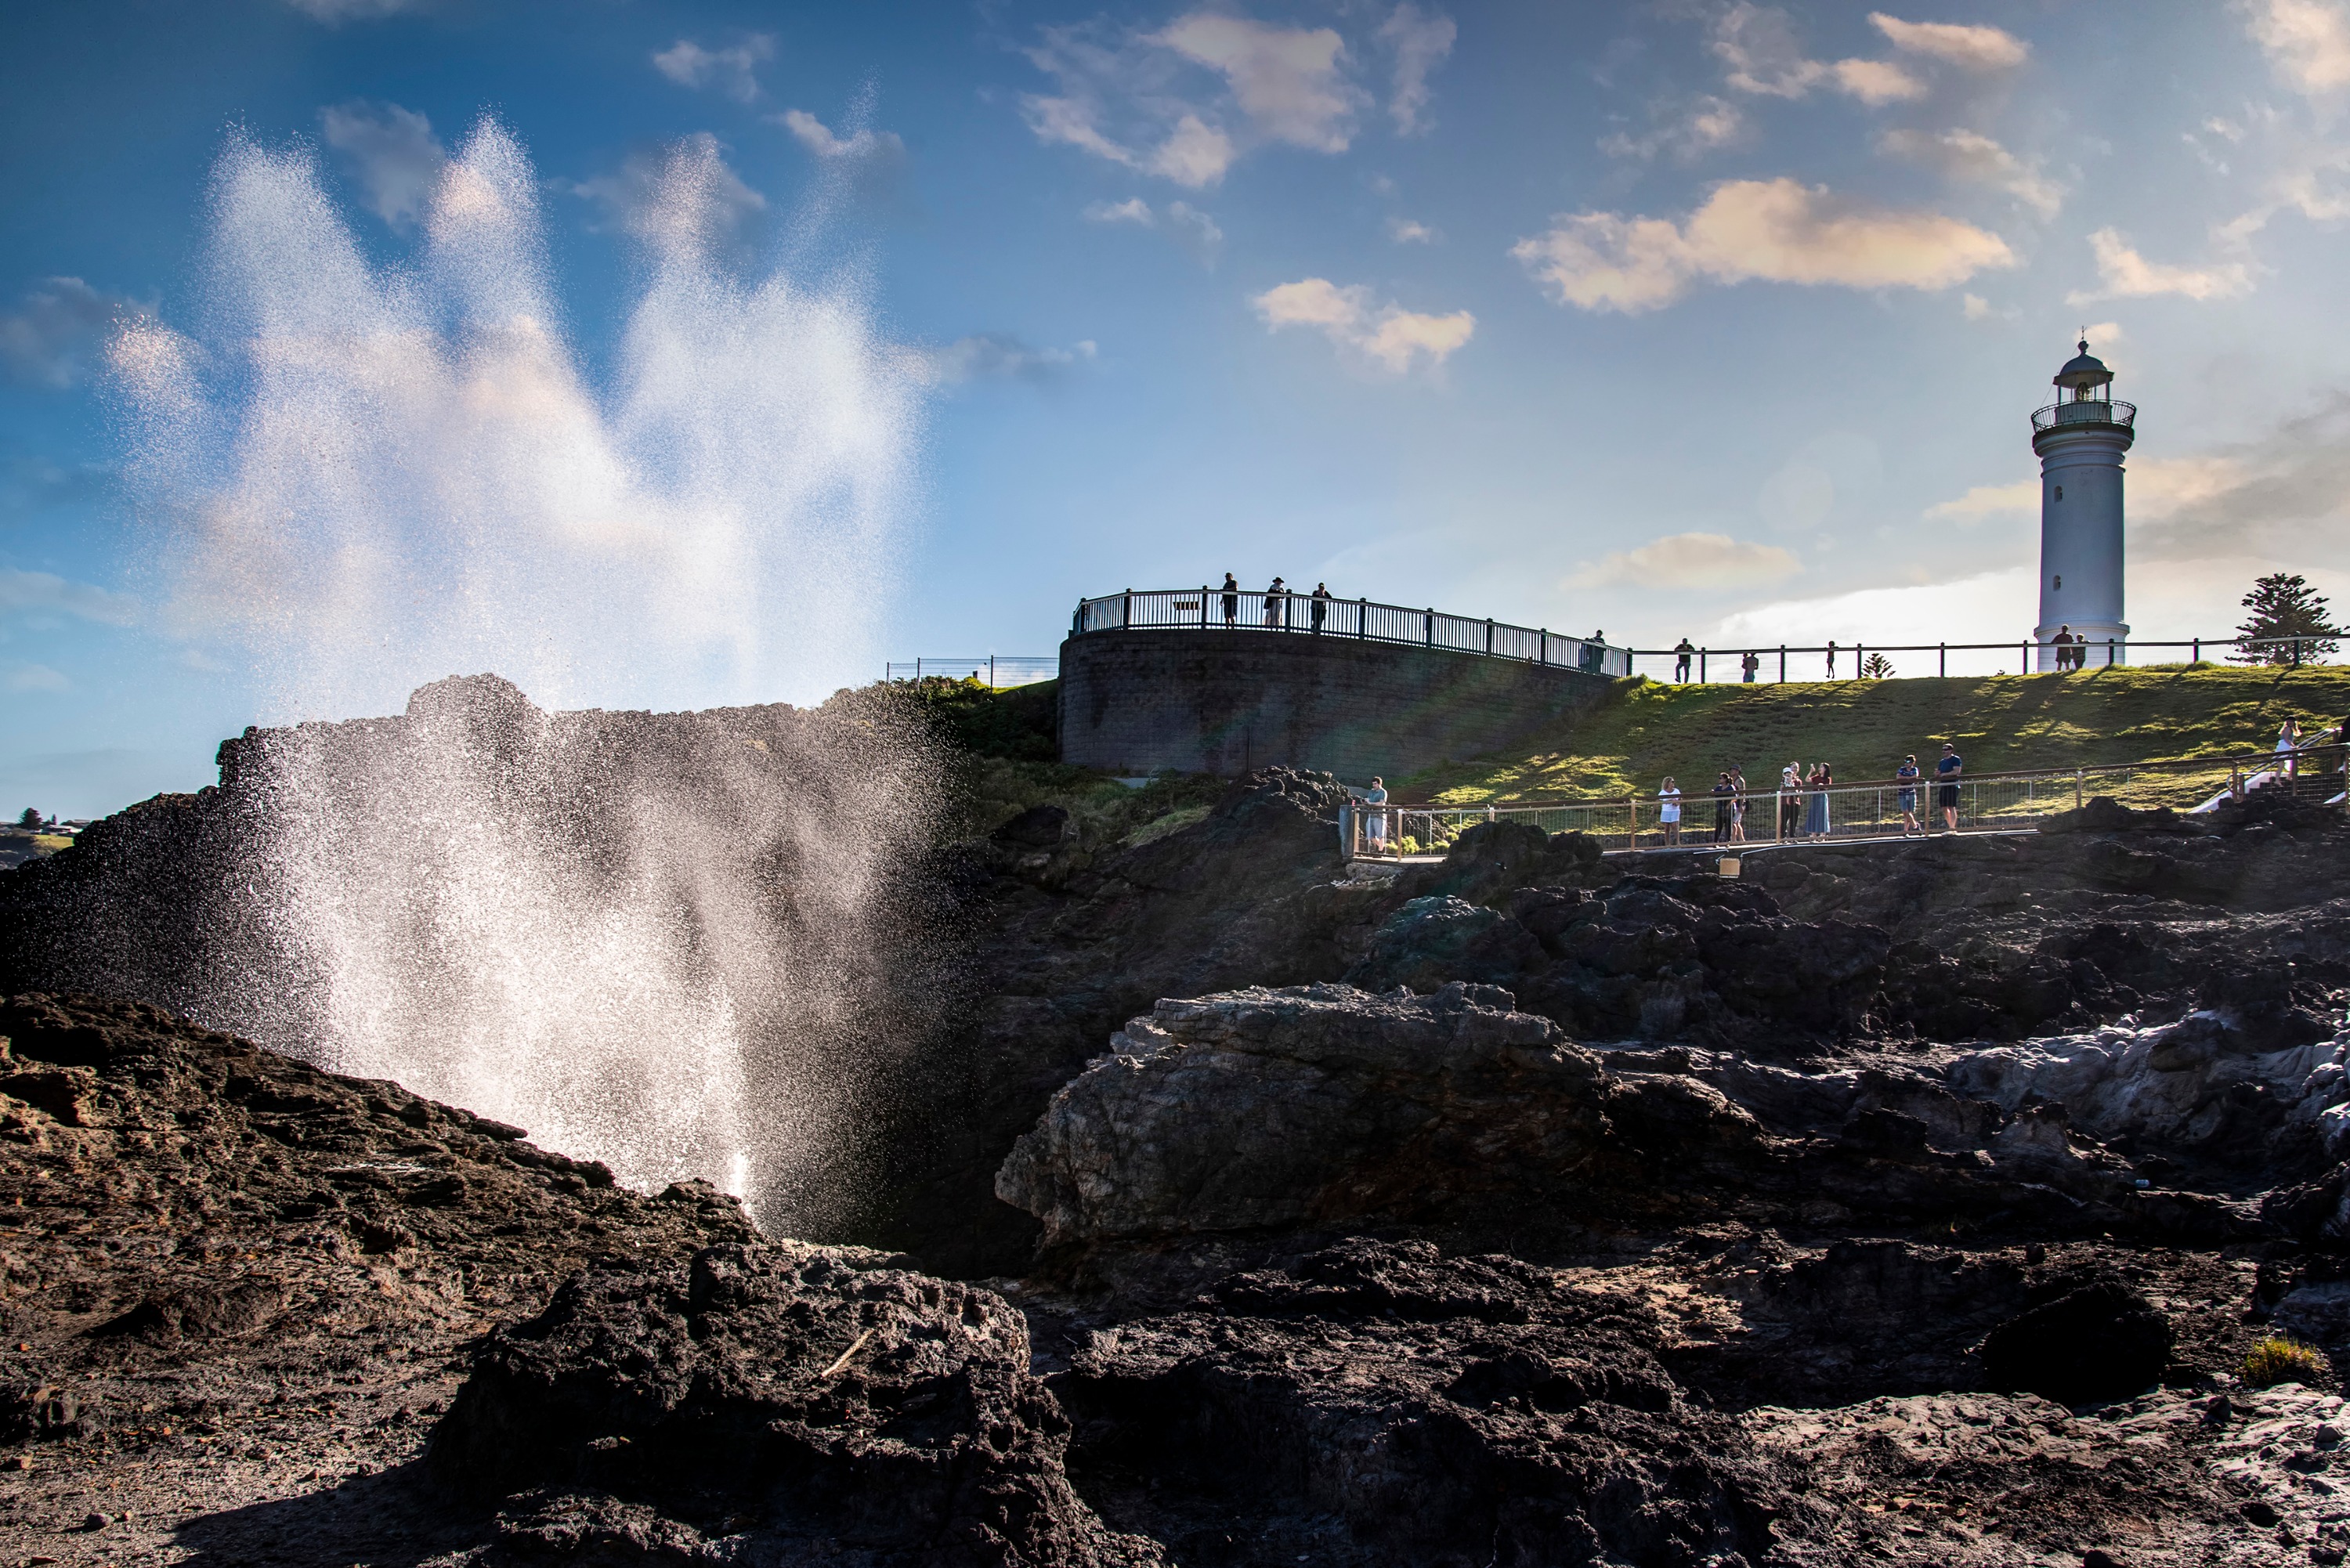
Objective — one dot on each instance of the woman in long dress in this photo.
(2288, 744)
(1815, 815)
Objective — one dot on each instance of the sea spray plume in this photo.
(661, 939)
(380, 474)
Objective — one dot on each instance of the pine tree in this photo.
(2284, 604)
(1876, 667)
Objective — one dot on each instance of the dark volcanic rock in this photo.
(1432, 941)
(1380, 1403)
(2104, 1341)
(774, 1402)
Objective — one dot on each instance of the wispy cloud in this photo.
(34, 592)
(37, 678)
(863, 144)
(335, 12)
(1975, 159)
(1683, 129)
(683, 192)
(53, 336)
(1387, 337)
(1974, 49)
(1190, 229)
(392, 153)
(1757, 44)
(1002, 357)
(1287, 80)
(1990, 501)
(2124, 274)
(1412, 232)
(1775, 231)
(1420, 43)
(733, 70)
(1689, 562)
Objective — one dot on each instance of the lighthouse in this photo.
(2081, 439)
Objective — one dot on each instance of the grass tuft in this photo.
(2275, 1360)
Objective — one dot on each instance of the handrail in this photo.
(2086, 411)
(2097, 654)
(1361, 619)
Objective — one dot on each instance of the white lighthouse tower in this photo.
(2080, 438)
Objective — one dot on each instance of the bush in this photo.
(2275, 1360)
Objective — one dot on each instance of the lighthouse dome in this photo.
(2084, 370)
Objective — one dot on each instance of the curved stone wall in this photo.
(1227, 702)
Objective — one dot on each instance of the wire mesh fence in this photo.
(1873, 809)
(988, 669)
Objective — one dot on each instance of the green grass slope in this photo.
(1865, 727)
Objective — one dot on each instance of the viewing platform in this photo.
(2087, 411)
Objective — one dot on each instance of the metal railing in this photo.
(2008, 801)
(2087, 411)
(1241, 609)
(989, 670)
(1840, 662)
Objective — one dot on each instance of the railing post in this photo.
(2077, 789)
(1782, 663)
(1545, 644)
(2196, 656)
(1942, 661)
(1428, 627)
(1203, 606)
(1362, 618)
(2109, 653)
(1489, 633)
(1701, 666)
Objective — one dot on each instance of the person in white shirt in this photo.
(1668, 811)
(1791, 799)
(1377, 824)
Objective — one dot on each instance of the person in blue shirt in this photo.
(1948, 771)
(1908, 773)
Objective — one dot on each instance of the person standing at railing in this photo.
(1276, 606)
(1668, 811)
(1232, 600)
(1947, 790)
(1321, 606)
(1683, 651)
(1831, 658)
(1749, 665)
(1724, 795)
(1815, 815)
(1376, 824)
(2288, 746)
(1909, 774)
(1737, 803)
(1791, 800)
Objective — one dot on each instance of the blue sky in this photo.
(1691, 318)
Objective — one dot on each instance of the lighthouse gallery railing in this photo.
(1214, 610)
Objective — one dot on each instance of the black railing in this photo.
(2088, 411)
(1850, 661)
(1241, 609)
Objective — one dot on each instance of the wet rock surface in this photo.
(1910, 1205)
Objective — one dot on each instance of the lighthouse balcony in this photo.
(2087, 411)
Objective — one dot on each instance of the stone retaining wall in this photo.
(1227, 702)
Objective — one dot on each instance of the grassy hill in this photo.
(1865, 727)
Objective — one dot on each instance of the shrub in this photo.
(2275, 1360)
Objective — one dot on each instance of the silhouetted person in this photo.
(1321, 603)
(1682, 649)
(1276, 605)
(1232, 600)
(1831, 658)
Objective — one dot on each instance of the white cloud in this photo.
(1696, 128)
(1688, 561)
(1001, 356)
(1420, 43)
(1972, 48)
(1134, 209)
(2124, 274)
(1412, 232)
(1974, 306)
(1187, 101)
(732, 71)
(37, 678)
(684, 195)
(813, 134)
(1757, 43)
(1989, 501)
(1387, 336)
(50, 338)
(1191, 229)
(33, 593)
(1286, 80)
(2307, 41)
(1773, 230)
(392, 153)
(1976, 159)
(333, 13)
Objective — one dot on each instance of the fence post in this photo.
(1489, 633)
(1203, 606)
(1632, 818)
(2196, 656)
(1782, 663)
(2296, 653)
(1427, 628)
(1859, 658)
(1362, 618)
(2077, 789)
(2109, 653)
(1545, 644)
(991, 673)
(1701, 666)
